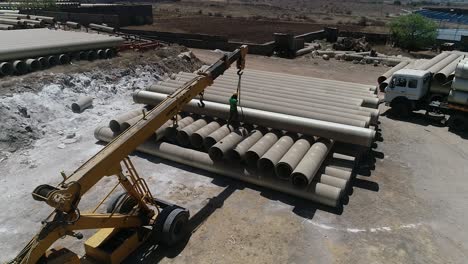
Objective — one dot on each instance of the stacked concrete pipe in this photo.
(219, 150)
(295, 124)
(198, 137)
(317, 192)
(309, 165)
(266, 164)
(303, 108)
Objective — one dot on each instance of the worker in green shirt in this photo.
(233, 115)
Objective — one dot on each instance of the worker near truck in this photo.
(233, 114)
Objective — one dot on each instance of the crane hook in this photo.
(201, 104)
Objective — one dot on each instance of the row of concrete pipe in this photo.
(312, 180)
(337, 131)
(34, 64)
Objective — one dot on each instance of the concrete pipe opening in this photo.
(82, 103)
(215, 154)
(251, 158)
(83, 55)
(284, 170)
(101, 54)
(53, 61)
(33, 65)
(6, 68)
(92, 55)
(110, 53)
(64, 59)
(266, 166)
(44, 62)
(299, 180)
(20, 67)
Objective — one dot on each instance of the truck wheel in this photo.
(457, 123)
(401, 109)
(170, 226)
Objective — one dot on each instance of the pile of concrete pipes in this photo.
(23, 51)
(286, 162)
(12, 20)
(281, 140)
(441, 66)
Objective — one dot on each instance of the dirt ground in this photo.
(410, 208)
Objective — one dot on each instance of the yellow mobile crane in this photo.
(125, 227)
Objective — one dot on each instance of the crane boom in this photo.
(66, 196)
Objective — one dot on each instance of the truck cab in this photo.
(407, 89)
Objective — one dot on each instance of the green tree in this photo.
(413, 31)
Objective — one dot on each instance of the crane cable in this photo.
(239, 73)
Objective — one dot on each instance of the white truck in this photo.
(412, 90)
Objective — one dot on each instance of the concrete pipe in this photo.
(44, 62)
(332, 181)
(238, 153)
(102, 28)
(92, 55)
(130, 122)
(303, 79)
(426, 65)
(73, 25)
(350, 117)
(39, 23)
(6, 27)
(280, 91)
(82, 103)
(317, 192)
(101, 54)
(184, 134)
(116, 124)
(14, 16)
(161, 132)
(14, 22)
(171, 131)
(444, 73)
(52, 61)
(434, 69)
(220, 89)
(64, 59)
(47, 19)
(305, 171)
(288, 80)
(260, 148)
(110, 53)
(272, 84)
(216, 136)
(293, 156)
(6, 68)
(20, 67)
(219, 150)
(266, 164)
(82, 55)
(33, 64)
(460, 84)
(338, 132)
(458, 97)
(390, 72)
(338, 173)
(197, 138)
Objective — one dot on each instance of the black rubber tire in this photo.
(400, 110)
(171, 225)
(124, 207)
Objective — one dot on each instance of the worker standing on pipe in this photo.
(233, 114)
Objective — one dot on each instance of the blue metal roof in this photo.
(444, 16)
(451, 34)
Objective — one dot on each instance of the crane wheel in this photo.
(170, 226)
(124, 202)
